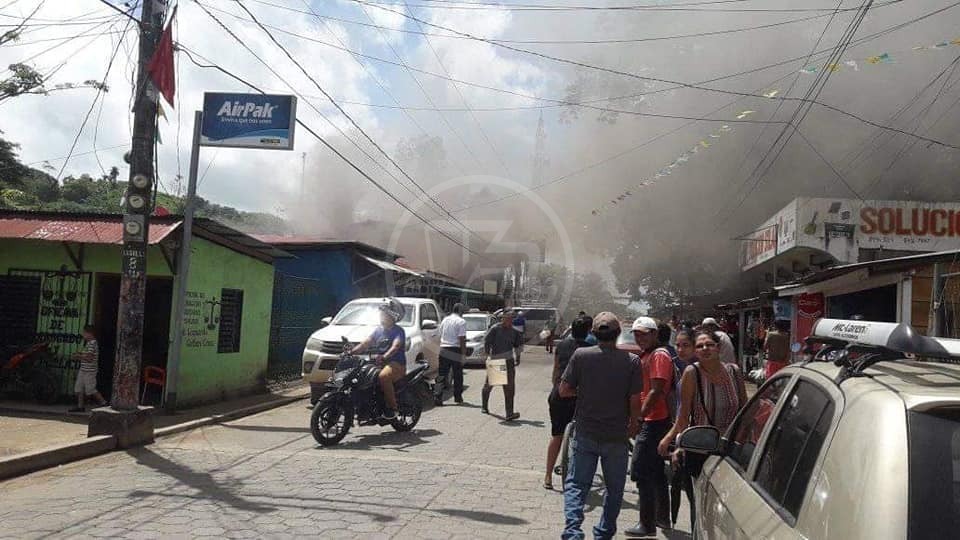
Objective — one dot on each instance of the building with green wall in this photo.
(59, 272)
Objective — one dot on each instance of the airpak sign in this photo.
(248, 120)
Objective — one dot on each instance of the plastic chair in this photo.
(153, 375)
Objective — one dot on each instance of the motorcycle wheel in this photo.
(44, 387)
(330, 421)
(408, 414)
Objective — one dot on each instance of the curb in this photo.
(227, 416)
(20, 464)
(52, 456)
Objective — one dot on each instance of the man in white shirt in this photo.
(728, 355)
(453, 348)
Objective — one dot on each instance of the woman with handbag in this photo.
(711, 394)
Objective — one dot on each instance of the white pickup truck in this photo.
(356, 321)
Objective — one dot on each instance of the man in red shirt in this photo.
(647, 468)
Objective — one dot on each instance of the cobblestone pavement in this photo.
(459, 474)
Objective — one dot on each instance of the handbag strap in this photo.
(703, 404)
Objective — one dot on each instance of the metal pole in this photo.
(136, 225)
(933, 325)
(183, 268)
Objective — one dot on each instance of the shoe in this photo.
(389, 414)
(438, 401)
(77, 409)
(458, 400)
(639, 531)
(664, 525)
(512, 417)
(548, 485)
(484, 410)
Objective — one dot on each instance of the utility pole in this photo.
(131, 423)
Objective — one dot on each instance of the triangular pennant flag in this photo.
(853, 64)
(833, 68)
(161, 113)
(771, 94)
(160, 68)
(812, 70)
(744, 114)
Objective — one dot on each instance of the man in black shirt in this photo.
(503, 342)
(603, 379)
(561, 408)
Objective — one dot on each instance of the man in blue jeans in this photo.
(603, 379)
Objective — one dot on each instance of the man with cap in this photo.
(728, 355)
(654, 414)
(503, 341)
(453, 348)
(603, 379)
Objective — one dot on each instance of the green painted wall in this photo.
(205, 374)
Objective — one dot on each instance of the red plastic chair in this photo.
(153, 375)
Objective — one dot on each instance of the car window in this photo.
(746, 432)
(934, 461)
(793, 446)
(428, 311)
(476, 324)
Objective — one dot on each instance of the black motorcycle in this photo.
(355, 394)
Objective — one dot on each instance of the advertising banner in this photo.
(807, 309)
(248, 120)
(776, 235)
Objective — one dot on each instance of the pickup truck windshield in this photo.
(476, 324)
(368, 314)
(934, 449)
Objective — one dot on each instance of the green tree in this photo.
(77, 190)
(20, 200)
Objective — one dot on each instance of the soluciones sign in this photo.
(248, 120)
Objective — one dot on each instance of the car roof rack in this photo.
(872, 342)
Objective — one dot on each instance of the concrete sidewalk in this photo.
(28, 427)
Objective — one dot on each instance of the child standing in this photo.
(86, 384)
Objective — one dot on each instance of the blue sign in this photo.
(248, 120)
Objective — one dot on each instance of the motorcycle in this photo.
(23, 372)
(355, 395)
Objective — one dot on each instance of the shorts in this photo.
(561, 412)
(86, 383)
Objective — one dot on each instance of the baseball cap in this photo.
(709, 320)
(605, 319)
(644, 324)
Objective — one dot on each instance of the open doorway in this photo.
(156, 325)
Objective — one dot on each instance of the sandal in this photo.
(547, 484)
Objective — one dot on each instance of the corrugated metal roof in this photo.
(93, 229)
(391, 267)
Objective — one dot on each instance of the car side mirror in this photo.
(700, 440)
(325, 322)
(428, 324)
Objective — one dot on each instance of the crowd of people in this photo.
(683, 376)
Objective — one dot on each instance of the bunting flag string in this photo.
(683, 158)
(854, 64)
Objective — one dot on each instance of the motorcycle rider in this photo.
(389, 341)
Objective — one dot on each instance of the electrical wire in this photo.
(801, 112)
(373, 76)
(690, 6)
(343, 157)
(344, 112)
(463, 100)
(421, 32)
(98, 95)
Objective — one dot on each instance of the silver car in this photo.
(864, 447)
(478, 324)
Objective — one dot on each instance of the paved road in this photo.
(460, 474)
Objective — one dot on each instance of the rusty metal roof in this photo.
(78, 228)
(84, 228)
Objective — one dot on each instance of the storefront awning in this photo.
(390, 267)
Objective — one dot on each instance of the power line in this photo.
(347, 115)
(587, 104)
(801, 112)
(421, 32)
(98, 95)
(375, 78)
(828, 164)
(340, 155)
(690, 6)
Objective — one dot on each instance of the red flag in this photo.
(161, 68)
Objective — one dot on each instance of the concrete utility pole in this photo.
(131, 423)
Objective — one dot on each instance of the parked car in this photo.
(356, 321)
(478, 324)
(863, 444)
